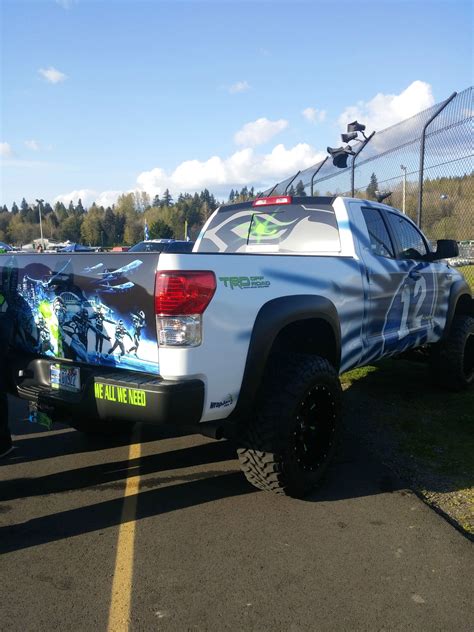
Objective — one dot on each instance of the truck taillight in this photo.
(180, 300)
(276, 199)
(181, 293)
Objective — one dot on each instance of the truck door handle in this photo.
(414, 274)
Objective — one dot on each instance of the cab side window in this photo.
(380, 242)
(412, 242)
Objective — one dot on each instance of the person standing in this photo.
(6, 329)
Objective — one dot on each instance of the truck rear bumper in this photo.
(109, 395)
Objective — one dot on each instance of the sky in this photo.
(100, 98)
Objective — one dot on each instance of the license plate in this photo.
(66, 378)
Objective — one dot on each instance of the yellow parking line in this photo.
(119, 613)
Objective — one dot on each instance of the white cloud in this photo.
(53, 75)
(6, 150)
(314, 116)
(259, 131)
(32, 144)
(239, 86)
(88, 196)
(244, 167)
(385, 110)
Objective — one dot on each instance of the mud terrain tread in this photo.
(448, 356)
(262, 455)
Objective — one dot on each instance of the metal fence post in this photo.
(353, 162)
(315, 173)
(291, 181)
(422, 156)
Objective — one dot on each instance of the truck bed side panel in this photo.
(245, 283)
(96, 308)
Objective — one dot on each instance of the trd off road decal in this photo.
(82, 308)
(244, 282)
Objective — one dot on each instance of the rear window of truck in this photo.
(285, 229)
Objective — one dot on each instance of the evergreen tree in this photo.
(372, 187)
(71, 208)
(53, 220)
(60, 211)
(291, 190)
(47, 209)
(4, 209)
(167, 200)
(161, 230)
(79, 208)
(15, 209)
(300, 191)
(231, 195)
(156, 201)
(109, 226)
(23, 207)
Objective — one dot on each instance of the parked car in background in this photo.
(5, 247)
(74, 247)
(163, 245)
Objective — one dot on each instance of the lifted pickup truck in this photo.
(246, 336)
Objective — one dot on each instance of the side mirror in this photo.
(446, 249)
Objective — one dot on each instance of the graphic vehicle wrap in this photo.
(82, 308)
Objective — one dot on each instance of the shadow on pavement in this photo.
(100, 476)
(66, 524)
(354, 474)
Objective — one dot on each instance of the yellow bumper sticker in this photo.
(120, 394)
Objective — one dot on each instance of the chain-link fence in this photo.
(425, 161)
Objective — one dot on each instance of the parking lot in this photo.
(163, 532)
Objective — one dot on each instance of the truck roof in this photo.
(322, 201)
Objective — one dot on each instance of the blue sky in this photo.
(110, 96)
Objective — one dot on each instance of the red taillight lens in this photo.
(276, 199)
(180, 293)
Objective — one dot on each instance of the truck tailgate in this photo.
(96, 309)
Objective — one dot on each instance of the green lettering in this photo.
(110, 393)
(99, 390)
(121, 395)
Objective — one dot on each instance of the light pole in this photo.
(404, 190)
(40, 204)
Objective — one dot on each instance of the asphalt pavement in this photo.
(166, 534)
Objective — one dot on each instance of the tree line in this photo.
(447, 213)
(119, 224)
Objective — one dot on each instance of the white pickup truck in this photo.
(246, 336)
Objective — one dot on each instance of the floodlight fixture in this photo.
(355, 126)
(340, 155)
(381, 196)
(346, 138)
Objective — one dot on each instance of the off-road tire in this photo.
(286, 448)
(96, 427)
(452, 362)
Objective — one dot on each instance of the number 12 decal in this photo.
(419, 290)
